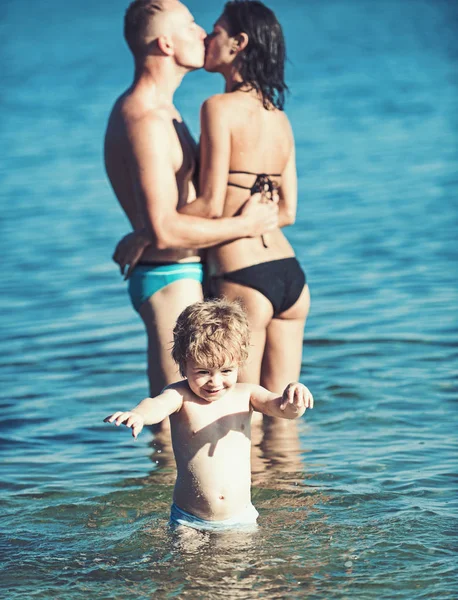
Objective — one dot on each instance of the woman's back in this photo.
(242, 140)
(260, 143)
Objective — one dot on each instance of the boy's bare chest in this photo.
(213, 423)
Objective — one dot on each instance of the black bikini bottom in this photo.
(280, 281)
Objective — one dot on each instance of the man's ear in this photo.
(165, 45)
(240, 42)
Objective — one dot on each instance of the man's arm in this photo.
(157, 192)
(292, 404)
(149, 412)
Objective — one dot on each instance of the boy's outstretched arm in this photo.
(292, 404)
(149, 412)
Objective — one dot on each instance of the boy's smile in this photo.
(211, 384)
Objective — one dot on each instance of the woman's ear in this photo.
(240, 42)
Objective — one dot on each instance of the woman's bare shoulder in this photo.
(216, 102)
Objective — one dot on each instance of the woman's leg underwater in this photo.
(282, 358)
(259, 312)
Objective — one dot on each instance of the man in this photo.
(150, 159)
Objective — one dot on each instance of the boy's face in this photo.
(211, 384)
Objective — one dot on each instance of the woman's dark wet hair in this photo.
(262, 62)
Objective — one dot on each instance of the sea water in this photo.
(359, 502)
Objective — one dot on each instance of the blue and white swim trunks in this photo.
(246, 520)
(146, 280)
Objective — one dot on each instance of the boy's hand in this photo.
(296, 397)
(129, 418)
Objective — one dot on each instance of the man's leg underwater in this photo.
(159, 314)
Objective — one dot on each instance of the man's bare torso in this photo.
(212, 446)
(120, 168)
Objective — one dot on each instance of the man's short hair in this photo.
(213, 334)
(136, 22)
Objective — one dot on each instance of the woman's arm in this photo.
(287, 205)
(215, 151)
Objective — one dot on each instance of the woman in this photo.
(247, 144)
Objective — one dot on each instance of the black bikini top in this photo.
(263, 183)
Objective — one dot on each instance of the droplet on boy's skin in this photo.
(221, 497)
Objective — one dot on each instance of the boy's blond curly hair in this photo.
(213, 334)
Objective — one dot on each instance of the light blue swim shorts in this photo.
(146, 280)
(243, 521)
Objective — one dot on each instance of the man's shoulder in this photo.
(137, 116)
(131, 109)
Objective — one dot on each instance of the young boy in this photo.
(210, 415)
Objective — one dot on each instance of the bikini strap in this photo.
(242, 172)
(251, 173)
(243, 187)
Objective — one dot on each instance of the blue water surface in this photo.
(363, 502)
